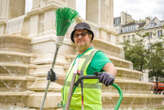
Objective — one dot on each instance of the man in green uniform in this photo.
(87, 62)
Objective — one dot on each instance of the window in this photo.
(159, 33)
(117, 21)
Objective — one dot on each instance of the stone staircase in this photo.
(23, 77)
(14, 69)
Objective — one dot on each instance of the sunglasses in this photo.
(80, 34)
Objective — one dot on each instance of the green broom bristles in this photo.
(64, 18)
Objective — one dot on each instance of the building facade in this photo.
(130, 29)
(152, 29)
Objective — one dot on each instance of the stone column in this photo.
(111, 11)
(17, 8)
(100, 12)
(106, 13)
(92, 11)
(11, 8)
(4, 7)
(71, 3)
(49, 21)
(34, 23)
(35, 4)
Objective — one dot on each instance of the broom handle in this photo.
(48, 83)
(54, 59)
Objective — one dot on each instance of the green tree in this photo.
(156, 59)
(144, 56)
(136, 53)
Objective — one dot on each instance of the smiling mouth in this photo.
(79, 41)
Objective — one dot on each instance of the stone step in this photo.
(10, 94)
(53, 98)
(130, 74)
(14, 100)
(123, 73)
(15, 43)
(40, 85)
(48, 61)
(109, 48)
(109, 100)
(116, 61)
(127, 84)
(15, 83)
(15, 107)
(42, 70)
(121, 62)
(130, 86)
(15, 57)
(127, 73)
(132, 101)
(14, 68)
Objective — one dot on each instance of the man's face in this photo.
(82, 39)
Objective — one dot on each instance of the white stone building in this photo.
(130, 29)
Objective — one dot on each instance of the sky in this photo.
(28, 5)
(139, 9)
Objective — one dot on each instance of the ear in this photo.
(90, 37)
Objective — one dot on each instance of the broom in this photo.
(64, 18)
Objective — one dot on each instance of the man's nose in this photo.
(79, 36)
